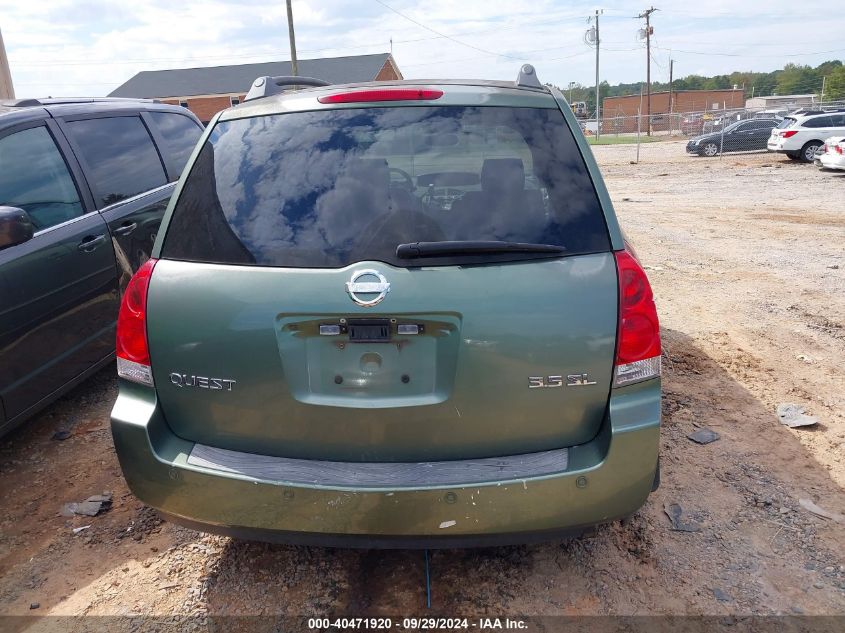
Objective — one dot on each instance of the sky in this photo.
(89, 47)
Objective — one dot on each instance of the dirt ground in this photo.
(746, 258)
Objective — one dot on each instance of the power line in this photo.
(431, 63)
(448, 37)
(471, 59)
(680, 50)
(781, 44)
(260, 55)
(88, 62)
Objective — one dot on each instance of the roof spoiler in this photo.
(269, 86)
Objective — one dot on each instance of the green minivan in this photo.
(387, 315)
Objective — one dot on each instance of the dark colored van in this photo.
(83, 187)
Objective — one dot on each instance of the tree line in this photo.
(791, 79)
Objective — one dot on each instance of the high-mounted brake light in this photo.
(383, 94)
(638, 343)
(133, 353)
(789, 133)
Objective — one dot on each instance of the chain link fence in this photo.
(709, 132)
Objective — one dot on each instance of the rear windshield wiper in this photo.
(444, 249)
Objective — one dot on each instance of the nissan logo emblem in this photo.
(370, 283)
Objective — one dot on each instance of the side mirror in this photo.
(15, 227)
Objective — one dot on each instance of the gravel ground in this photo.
(746, 258)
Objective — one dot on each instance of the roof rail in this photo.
(44, 101)
(527, 78)
(269, 86)
(802, 112)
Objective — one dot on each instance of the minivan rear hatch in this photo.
(395, 283)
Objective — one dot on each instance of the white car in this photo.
(800, 135)
(834, 154)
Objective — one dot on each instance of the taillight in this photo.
(638, 343)
(133, 353)
(383, 94)
(788, 133)
(837, 149)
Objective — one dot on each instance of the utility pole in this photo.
(648, 31)
(598, 102)
(671, 108)
(7, 90)
(821, 96)
(293, 66)
(591, 37)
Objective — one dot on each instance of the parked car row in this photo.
(83, 187)
(740, 136)
(831, 155)
(699, 123)
(799, 136)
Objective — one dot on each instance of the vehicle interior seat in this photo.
(482, 215)
(395, 215)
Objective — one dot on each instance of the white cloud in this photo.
(88, 47)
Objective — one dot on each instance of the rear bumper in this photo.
(607, 478)
(831, 162)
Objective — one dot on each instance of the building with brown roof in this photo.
(206, 91)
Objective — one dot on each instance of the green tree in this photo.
(792, 79)
(835, 85)
(825, 68)
(795, 79)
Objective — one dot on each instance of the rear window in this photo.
(787, 121)
(333, 187)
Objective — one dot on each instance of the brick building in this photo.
(206, 91)
(615, 108)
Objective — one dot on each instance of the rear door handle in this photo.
(90, 242)
(126, 228)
